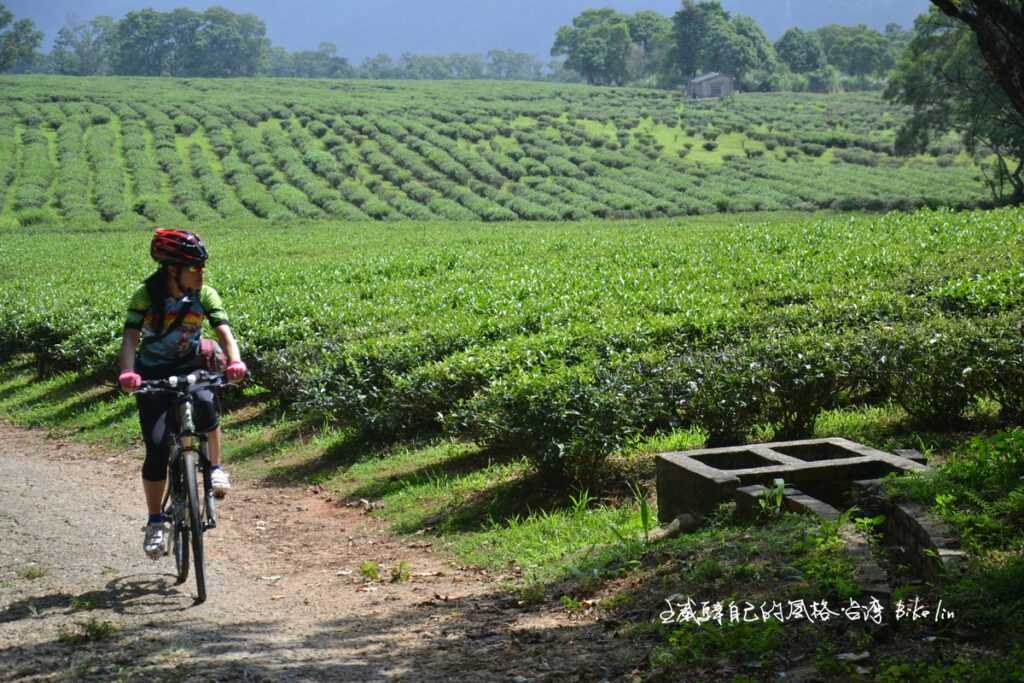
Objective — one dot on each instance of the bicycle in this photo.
(189, 515)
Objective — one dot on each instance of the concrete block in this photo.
(697, 481)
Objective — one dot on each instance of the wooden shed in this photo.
(710, 85)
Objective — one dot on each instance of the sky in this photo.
(362, 28)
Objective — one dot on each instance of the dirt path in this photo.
(287, 600)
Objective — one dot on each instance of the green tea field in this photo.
(91, 152)
(566, 341)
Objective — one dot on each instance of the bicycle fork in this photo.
(189, 438)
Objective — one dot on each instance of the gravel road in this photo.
(80, 601)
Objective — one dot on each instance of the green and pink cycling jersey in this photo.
(161, 354)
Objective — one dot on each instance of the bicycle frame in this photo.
(187, 438)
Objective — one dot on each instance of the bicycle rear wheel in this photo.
(195, 522)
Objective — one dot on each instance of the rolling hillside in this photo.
(90, 152)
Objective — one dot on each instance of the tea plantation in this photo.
(90, 152)
(562, 273)
(566, 340)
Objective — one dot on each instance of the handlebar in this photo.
(183, 384)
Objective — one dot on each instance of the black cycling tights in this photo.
(158, 419)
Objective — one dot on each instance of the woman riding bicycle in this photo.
(162, 338)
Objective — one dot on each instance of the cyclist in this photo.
(162, 337)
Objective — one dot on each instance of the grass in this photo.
(370, 570)
(88, 632)
(31, 572)
(401, 572)
(82, 603)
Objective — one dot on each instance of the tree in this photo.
(863, 52)
(84, 49)
(750, 47)
(999, 28)
(801, 52)
(424, 67)
(225, 44)
(323, 62)
(649, 29)
(277, 63)
(651, 34)
(706, 38)
(945, 77)
(380, 66)
(691, 29)
(19, 42)
(509, 65)
(144, 45)
(856, 50)
(182, 42)
(597, 46)
(180, 28)
(559, 73)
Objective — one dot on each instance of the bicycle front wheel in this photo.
(175, 511)
(195, 521)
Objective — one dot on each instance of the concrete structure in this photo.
(822, 476)
(825, 469)
(710, 85)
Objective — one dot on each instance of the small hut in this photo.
(710, 85)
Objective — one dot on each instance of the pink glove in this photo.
(129, 381)
(235, 371)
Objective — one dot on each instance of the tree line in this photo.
(607, 47)
(221, 43)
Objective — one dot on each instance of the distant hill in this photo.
(94, 151)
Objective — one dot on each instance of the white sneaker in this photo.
(157, 541)
(220, 481)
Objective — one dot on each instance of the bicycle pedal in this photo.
(219, 494)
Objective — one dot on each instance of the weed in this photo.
(708, 571)
(82, 603)
(870, 527)
(771, 499)
(370, 570)
(991, 668)
(745, 571)
(923, 448)
(693, 645)
(531, 591)
(400, 572)
(570, 603)
(620, 599)
(826, 663)
(88, 631)
(828, 565)
(31, 572)
(640, 496)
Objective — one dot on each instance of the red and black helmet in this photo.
(177, 247)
